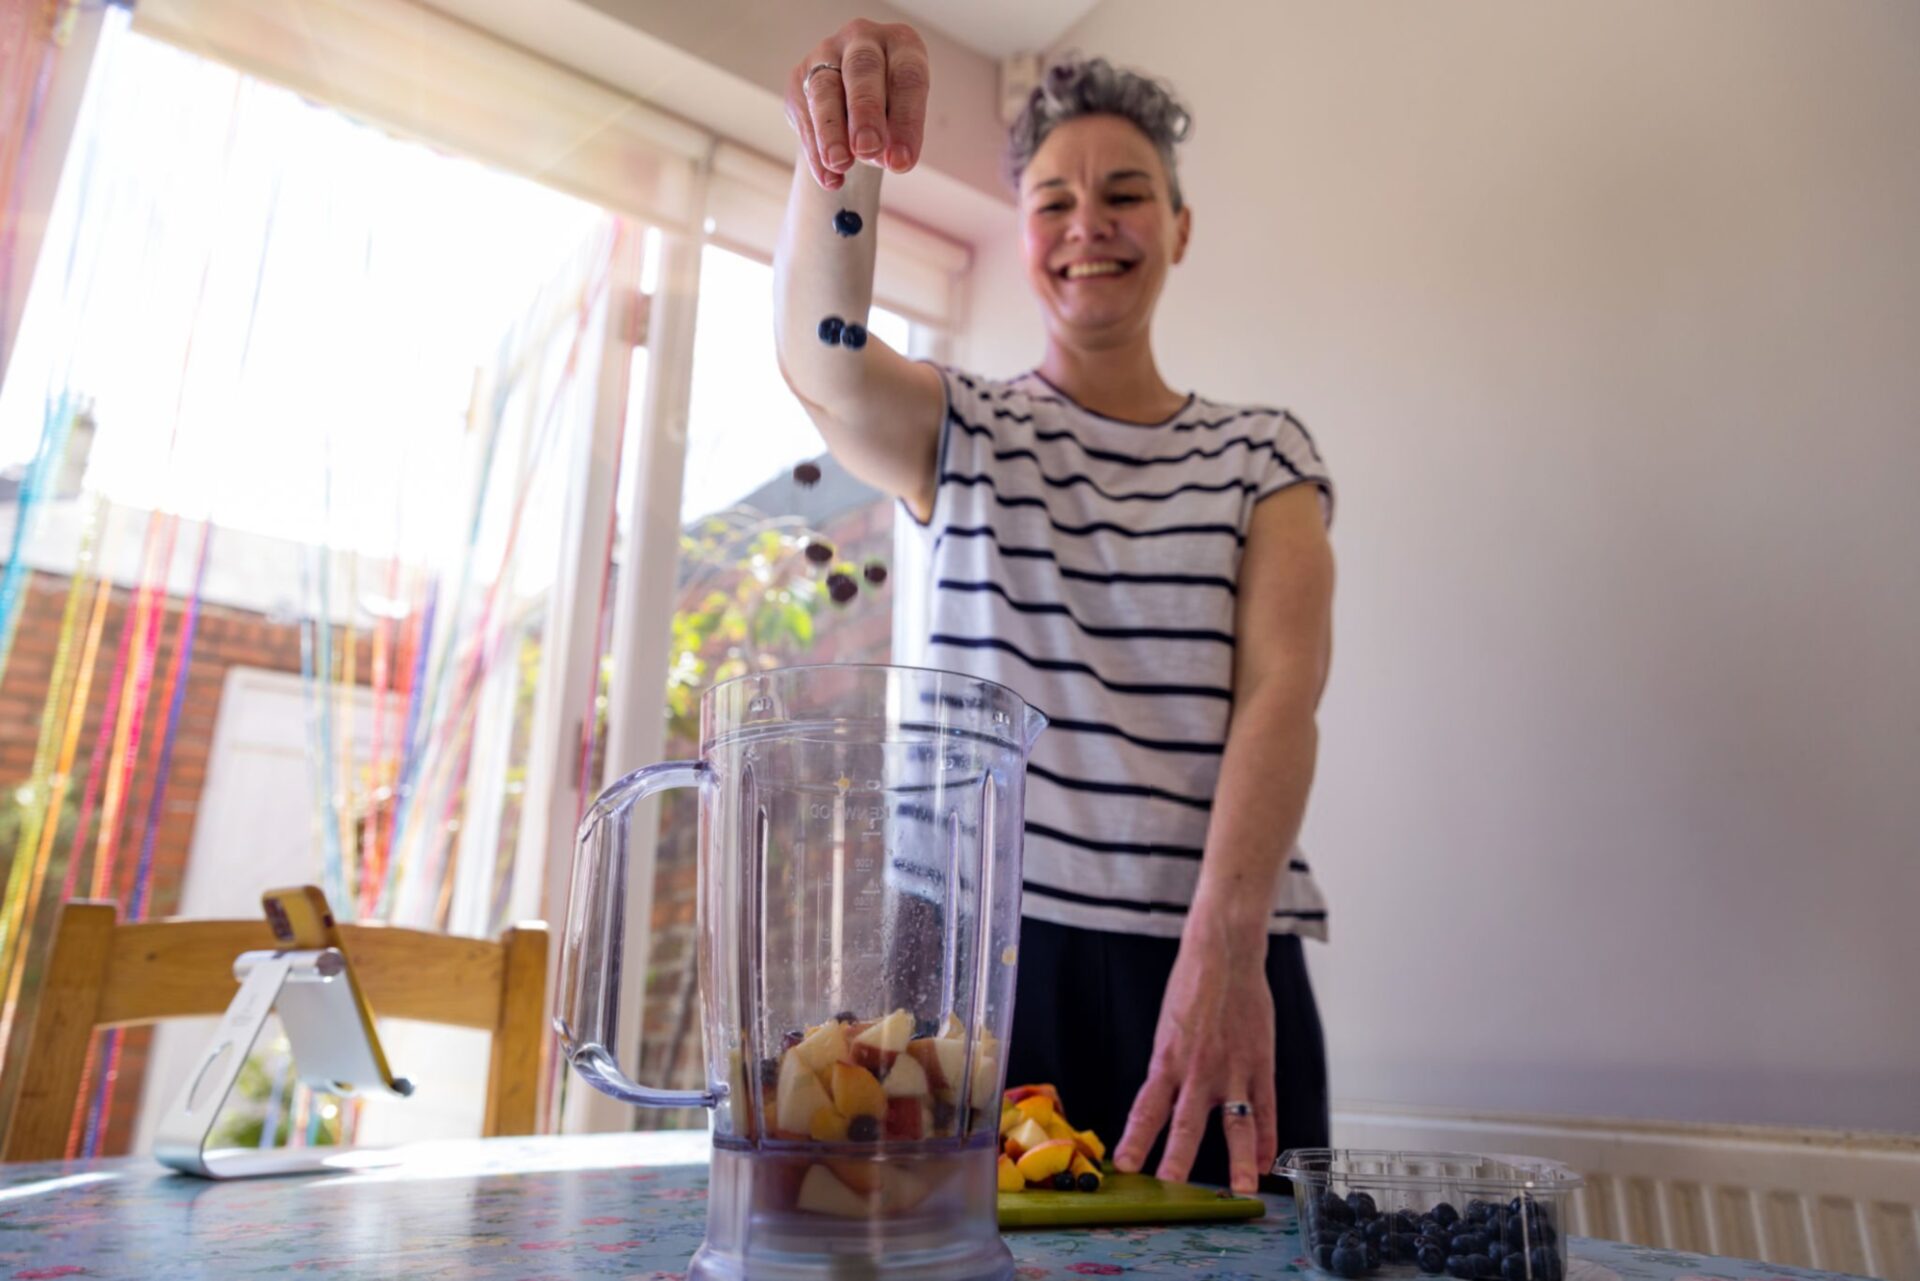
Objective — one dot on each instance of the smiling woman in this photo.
(1147, 566)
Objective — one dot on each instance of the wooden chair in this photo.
(102, 974)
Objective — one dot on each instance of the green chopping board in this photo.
(1122, 1199)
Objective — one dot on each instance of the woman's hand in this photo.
(1214, 1044)
(860, 95)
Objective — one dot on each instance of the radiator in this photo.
(1837, 1200)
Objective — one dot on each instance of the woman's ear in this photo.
(1182, 230)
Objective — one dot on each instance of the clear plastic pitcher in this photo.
(859, 917)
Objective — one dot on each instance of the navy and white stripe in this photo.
(1091, 565)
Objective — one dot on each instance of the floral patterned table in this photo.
(629, 1205)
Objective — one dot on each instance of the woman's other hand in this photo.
(1214, 1044)
(861, 95)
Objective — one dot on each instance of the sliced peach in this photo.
(1041, 1163)
(1008, 1176)
(827, 1126)
(1080, 1168)
(856, 1092)
(798, 1096)
(822, 1046)
(1010, 1120)
(1038, 1107)
(1057, 1128)
(1016, 1093)
(1089, 1143)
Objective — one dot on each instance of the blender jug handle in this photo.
(590, 958)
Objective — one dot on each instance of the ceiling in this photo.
(999, 27)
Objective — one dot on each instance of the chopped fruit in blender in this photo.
(891, 1033)
(822, 1046)
(1040, 1164)
(863, 1129)
(827, 1126)
(1010, 1177)
(799, 1096)
(877, 1061)
(906, 1079)
(856, 1092)
(942, 1057)
(906, 1118)
(822, 1193)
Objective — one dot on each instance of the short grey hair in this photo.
(1076, 87)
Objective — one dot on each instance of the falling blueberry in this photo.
(875, 572)
(847, 222)
(853, 337)
(806, 475)
(820, 553)
(842, 588)
(863, 1129)
(834, 330)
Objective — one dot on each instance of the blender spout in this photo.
(1036, 720)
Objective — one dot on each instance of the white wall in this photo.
(1607, 316)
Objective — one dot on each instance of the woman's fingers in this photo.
(1183, 1139)
(827, 110)
(800, 119)
(1243, 1143)
(863, 75)
(909, 77)
(1144, 1122)
(1266, 1115)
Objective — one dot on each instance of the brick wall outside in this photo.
(862, 632)
(224, 638)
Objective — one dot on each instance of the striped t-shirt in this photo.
(1090, 564)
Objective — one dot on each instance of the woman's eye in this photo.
(1058, 206)
(1126, 200)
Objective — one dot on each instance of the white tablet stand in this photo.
(316, 1004)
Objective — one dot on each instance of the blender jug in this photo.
(858, 929)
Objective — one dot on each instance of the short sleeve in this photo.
(1295, 460)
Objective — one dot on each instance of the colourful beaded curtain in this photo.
(291, 396)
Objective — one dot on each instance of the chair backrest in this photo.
(102, 974)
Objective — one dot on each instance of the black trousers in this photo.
(1083, 1020)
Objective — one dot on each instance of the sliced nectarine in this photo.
(1008, 1175)
(1037, 1107)
(1090, 1143)
(1015, 1094)
(1041, 1163)
(857, 1093)
(827, 1126)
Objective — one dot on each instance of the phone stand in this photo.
(330, 1046)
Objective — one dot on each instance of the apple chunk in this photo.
(799, 1096)
(907, 1079)
(890, 1034)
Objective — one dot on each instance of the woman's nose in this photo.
(1089, 224)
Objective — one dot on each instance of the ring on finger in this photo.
(818, 67)
(1238, 1109)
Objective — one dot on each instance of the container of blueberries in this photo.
(1366, 1213)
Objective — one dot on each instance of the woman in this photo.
(1150, 568)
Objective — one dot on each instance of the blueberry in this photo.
(924, 1027)
(1466, 1243)
(1347, 1262)
(770, 1073)
(820, 553)
(1398, 1248)
(1461, 1266)
(1063, 1182)
(1546, 1264)
(1404, 1222)
(844, 1016)
(1482, 1266)
(853, 337)
(1363, 1206)
(1323, 1255)
(1376, 1229)
(1431, 1258)
(1089, 1182)
(1373, 1256)
(1445, 1215)
(847, 222)
(875, 572)
(1335, 1210)
(1514, 1268)
(863, 1129)
(832, 331)
(842, 588)
(807, 475)
(1477, 1211)
(1497, 1252)
(1327, 1235)
(943, 1117)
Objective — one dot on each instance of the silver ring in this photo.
(818, 67)
(1236, 1108)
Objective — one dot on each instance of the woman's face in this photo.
(1098, 230)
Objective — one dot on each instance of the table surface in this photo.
(626, 1205)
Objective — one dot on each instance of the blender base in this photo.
(927, 1215)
